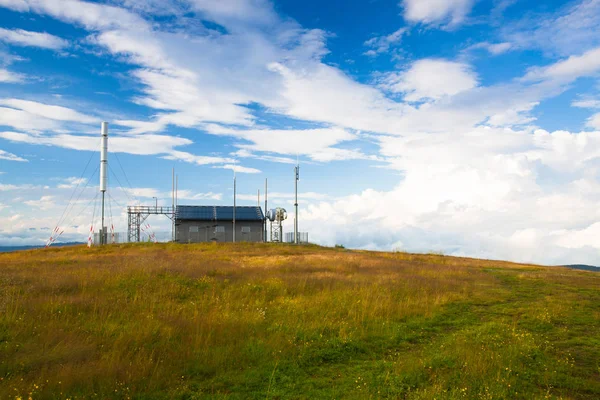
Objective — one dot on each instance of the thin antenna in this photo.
(266, 237)
(258, 204)
(103, 175)
(173, 204)
(234, 196)
(297, 178)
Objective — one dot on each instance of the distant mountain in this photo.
(583, 267)
(5, 249)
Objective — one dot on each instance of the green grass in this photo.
(264, 321)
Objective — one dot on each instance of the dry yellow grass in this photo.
(257, 320)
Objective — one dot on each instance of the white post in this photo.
(176, 198)
(266, 237)
(296, 205)
(234, 207)
(103, 175)
(173, 204)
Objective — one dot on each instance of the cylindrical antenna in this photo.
(173, 203)
(234, 188)
(266, 237)
(103, 156)
(103, 175)
(297, 178)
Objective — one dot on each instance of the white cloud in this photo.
(482, 193)
(571, 29)
(473, 181)
(7, 187)
(7, 76)
(51, 112)
(240, 169)
(586, 103)
(452, 12)
(4, 155)
(286, 196)
(431, 79)
(142, 144)
(493, 48)
(71, 182)
(568, 70)
(91, 15)
(382, 44)
(315, 143)
(195, 159)
(244, 153)
(499, 48)
(44, 203)
(594, 121)
(21, 37)
(182, 194)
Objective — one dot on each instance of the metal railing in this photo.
(302, 237)
(121, 237)
(150, 210)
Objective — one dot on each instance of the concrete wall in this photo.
(207, 231)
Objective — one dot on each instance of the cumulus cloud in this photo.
(452, 12)
(20, 37)
(482, 194)
(431, 79)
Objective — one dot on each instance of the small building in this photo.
(194, 224)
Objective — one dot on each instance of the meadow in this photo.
(168, 321)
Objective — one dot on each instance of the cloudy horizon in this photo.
(467, 127)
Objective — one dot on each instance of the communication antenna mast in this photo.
(277, 215)
(234, 188)
(297, 178)
(103, 175)
(173, 204)
(266, 238)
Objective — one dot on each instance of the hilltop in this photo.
(162, 321)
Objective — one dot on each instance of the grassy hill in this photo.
(266, 321)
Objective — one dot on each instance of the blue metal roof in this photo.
(219, 213)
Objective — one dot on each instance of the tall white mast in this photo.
(234, 202)
(173, 204)
(297, 177)
(103, 174)
(266, 194)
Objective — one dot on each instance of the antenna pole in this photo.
(234, 206)
(266, 237)
(173, 203)
(103, 176)
(297, 177)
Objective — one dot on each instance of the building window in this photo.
(193, 229)
(245, 229)
(219, 229)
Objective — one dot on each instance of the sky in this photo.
(462, 127)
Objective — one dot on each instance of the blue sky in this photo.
(467, 127)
